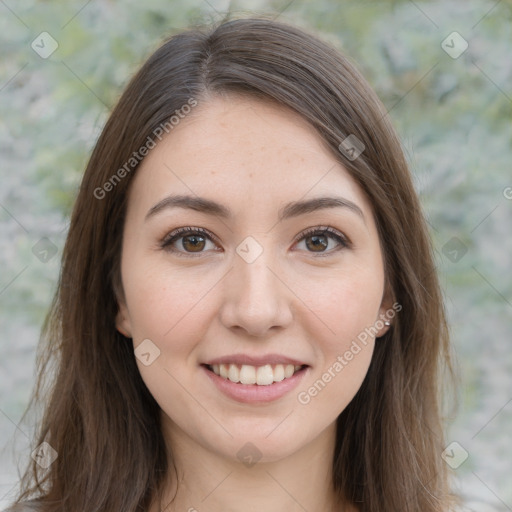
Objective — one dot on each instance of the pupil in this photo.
(195, 241)
(319, 242)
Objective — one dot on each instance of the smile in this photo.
(261, 375)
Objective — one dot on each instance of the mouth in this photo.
(264, 375)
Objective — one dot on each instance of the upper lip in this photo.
(255, 360)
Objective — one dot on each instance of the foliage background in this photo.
(453, 115)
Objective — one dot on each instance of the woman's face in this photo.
(247, 316)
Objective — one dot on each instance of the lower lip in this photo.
(253, 393)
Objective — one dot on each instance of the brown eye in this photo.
(193, 243)
(317, 240)
(317, 243)
(188, 241)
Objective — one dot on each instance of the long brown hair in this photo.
(99, 416)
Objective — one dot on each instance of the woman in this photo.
(248, 314)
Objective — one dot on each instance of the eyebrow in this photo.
(293, 209)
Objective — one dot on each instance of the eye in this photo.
(193, 241)
(317, 240)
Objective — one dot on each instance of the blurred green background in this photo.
(452, 109)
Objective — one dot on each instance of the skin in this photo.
(253, 157)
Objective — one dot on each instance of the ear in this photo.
(387, 312)
(123, 322)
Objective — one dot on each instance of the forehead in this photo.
(242, 151)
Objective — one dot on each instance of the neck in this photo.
(209, 481)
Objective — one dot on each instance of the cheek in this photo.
(344, 355)
(346, 308)
(172, 312)
(161, 303)
(346, 304)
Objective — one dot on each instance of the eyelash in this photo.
(170, 238)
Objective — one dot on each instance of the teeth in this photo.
(278, 373)
(223, 371)
(261, 375)
(233, 373)
(288, 370)
(264, 375)
(247, 374)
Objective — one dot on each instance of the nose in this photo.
(256, 298)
